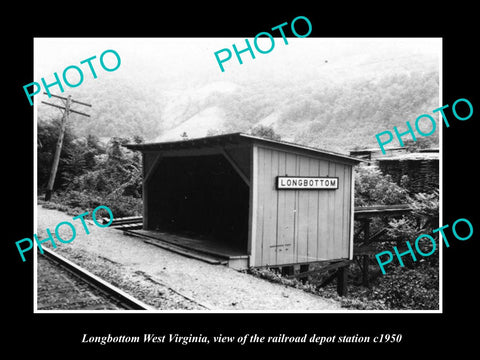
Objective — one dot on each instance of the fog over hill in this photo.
(333, 93)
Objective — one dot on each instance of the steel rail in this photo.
(110, 290)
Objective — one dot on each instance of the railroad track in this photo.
(117, 297)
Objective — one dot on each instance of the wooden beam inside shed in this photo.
(236, 167)
(152, 169)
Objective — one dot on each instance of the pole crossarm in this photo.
(70, 110)
(64, 98)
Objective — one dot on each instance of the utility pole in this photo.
(66, 112)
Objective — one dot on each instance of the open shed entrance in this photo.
(200, 198)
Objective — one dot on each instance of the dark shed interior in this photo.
(202, 197)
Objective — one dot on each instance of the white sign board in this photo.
(306, 183)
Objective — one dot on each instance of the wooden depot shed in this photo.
(248, 200)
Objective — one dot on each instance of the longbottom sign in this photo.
(306, 182)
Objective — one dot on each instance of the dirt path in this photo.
(154, 274)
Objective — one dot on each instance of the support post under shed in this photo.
(334, 269)
(342, 274)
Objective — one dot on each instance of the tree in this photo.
(374, 188)
(265, 132)
(115, 173)
(47, 135)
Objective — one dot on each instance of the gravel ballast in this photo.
(169, 281)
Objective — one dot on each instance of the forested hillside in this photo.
(332, 102)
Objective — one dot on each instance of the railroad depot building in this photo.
(248, 201)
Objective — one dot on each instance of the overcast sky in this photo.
(184, 59)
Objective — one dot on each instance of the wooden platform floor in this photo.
(214, 252)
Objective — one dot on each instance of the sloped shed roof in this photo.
(239, 138)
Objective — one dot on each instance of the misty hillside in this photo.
(336, 103)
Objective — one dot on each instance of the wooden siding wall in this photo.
(296, 226)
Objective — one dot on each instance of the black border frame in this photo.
(423, 333)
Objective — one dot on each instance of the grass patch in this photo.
(400, 289)
(77, 202)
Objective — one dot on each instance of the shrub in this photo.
(423, 219)
(122, 206)
(374, 188)
(77, 202)
(412, 289)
